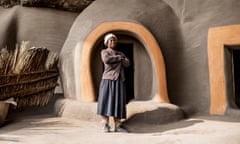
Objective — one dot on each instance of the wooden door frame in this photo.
(218, 37)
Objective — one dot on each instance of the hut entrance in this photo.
(97, 67)
(236, 75)
(232, 71)
(222, 42)
(91, 69)
(127, 49)
(139, 75)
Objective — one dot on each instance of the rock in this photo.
(4, 106)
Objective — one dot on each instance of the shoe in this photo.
(106, 128)
(121, 129)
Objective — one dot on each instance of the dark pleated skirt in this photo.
(112, 98)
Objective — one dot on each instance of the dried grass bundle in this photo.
(5, 61)
(29, 75)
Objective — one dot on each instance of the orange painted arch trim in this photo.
(217, 38)
(143, 35)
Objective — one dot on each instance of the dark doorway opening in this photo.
(127, 49)
(236, 75)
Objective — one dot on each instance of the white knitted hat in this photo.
(108, 36)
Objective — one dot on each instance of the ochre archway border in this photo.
(143, 35)
(217, 38)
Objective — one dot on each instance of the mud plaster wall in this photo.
(195, 18)
(180, 27)
(41, 26)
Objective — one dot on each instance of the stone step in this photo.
(148, 112)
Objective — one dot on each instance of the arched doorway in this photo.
(135, 30)
(139, 75)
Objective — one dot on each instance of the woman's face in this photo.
(112, 42)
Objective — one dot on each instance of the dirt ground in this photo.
(48, 129)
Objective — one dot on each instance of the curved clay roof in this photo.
(153, 19)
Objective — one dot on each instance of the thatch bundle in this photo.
(68, 5)
(29, 75)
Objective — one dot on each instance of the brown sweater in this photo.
(113, 64)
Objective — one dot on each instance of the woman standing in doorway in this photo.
(112, 93)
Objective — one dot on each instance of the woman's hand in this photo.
(125, 61)
(122, 58)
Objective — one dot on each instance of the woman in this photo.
(112, 94)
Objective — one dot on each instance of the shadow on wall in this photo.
(8, 29)
(10, 38)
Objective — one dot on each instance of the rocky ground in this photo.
(48, 129)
